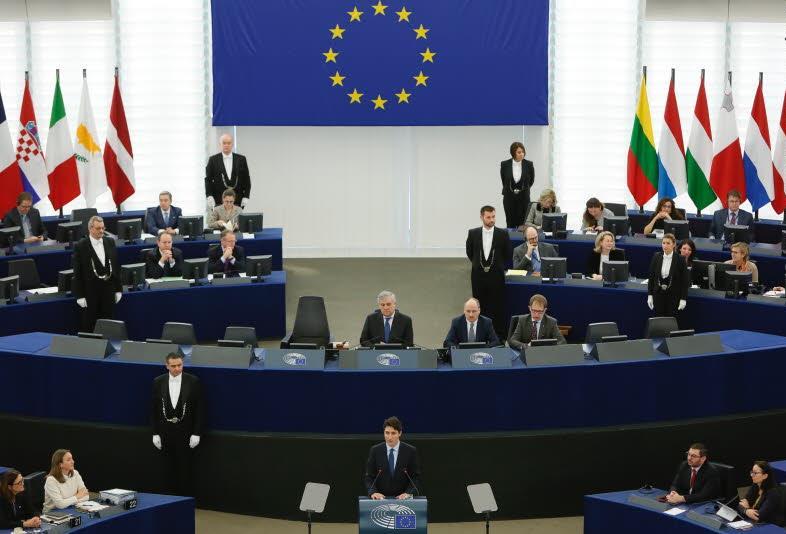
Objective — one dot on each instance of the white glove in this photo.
(193, 441)
(650, 303)
(157, 442)
(82, 302)
(681, 305)
(244, 203)
(118, 296)
(211, 203)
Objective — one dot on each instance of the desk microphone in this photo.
(406, 472)
(374, 482)
(717, 505)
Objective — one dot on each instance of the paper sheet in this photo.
(677, 510)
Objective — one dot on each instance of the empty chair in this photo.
(660, 327)
(180, 333)
(111, 329)
(246, 334)
(597, 331)
(617, 209)
(34, 489)
(728, 486)
(27, 271)
(311, 324)
(514, 322)
(143, 254)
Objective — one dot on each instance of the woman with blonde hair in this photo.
(605, 250)
(547, 203)
(64, 486)
(741, 259)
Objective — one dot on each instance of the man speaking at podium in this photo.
(393, 468)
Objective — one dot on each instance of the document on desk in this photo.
(740, 525)
(677, 510)
(43, 290)
(516, 272)
(90, 506)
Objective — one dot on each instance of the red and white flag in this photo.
(29, 154)
(118, 155)
(10, 179)
(779, 163)
(727, 173)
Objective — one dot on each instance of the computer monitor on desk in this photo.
(195, 268)
(191, 226)
(708, 274)
(680, 229)
(8, 236)
(472, 345)
(736, 283)
(389, 346)
(259, 266)
(553, 269)
(132, 275)
(555, 223)
(9, 289)
(615, 272)
(735, 233)
(617, 225)
(129, 230)
(250, 222)
(69, 232)
(64, 279)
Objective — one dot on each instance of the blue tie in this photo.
(392, 462)
(535, 261)
(166, 219)
(387, 332)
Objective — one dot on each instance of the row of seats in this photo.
(179, 333)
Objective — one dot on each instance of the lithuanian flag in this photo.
(642, 158)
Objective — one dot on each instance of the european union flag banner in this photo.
(380, 62)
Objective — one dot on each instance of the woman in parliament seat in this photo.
(604, 251)
(666, 210)
(15, 508)
(687, 250)
(741, 259)
(669, 280)
(592, 219)
(547, 203)
(764, 502)
(517, 175)
(64, 486)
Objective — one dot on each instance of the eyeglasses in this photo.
(753, 473)
(692, 455)
(19, 483)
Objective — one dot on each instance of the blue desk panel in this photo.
(764, 230)
(441, 400)
(578, 302)
(268, 241)
(611, 513)
(153, 514)
(780, 470)
(210, 309)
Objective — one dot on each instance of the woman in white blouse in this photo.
(517, 175)
(64, 486)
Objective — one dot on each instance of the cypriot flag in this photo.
(89, 160)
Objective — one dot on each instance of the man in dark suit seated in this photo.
(164, 260)
(696, 480)
(27, 218)
(526, 257)
(730, 215)
(393, 467)
(164, 218)
(227, 258)
(535, 325)
(386, 325)
(471, 327)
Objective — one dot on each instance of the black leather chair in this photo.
(660, 327)
(143, 254)
(180, 333)
(617, 209)
(311, 324)
(246, 334)
(596, 331)
(83, 215)
(111, 329)
(34, 489)
(514, 322)
(27, 271)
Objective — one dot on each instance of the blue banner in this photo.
(380, 62)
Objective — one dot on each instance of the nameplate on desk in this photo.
(295, 359)
(170, 284)
(237, 357)
(707, 520)
(695, 345)
(648, 502)
(486, 358)
(621, 351)
(553, 355)
(388, 360)
(231, 281)
(38, 249)
(38, 297)
(140, 351)
(95, 349)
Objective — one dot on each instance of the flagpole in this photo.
(57, 79)
(644, 75)
(698, 211)
(119, 211)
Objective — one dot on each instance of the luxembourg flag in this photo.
(757, 159)
(779, 163)
(672, 179)
(10, 179)
(29, 153)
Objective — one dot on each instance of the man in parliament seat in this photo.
(387, 324)
(27, 218)
(535, 325)
(527, 256)
(471, 327)
(393, 467)
(164, 218)
(164, 260)
(228, 257)
(696, 479)
(730, 215)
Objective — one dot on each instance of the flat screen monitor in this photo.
(195, 268)
(303, 346)
(9, 288)
(132, 275)
(737, 283)
(8, 235)
(699, 273)
(472, 345)
(130, 230)
(389, 346)
(554, 222)
(615, 272)
(69, 232)
(191, 226)
(617, 225)
(249, 222)
(545, 342)
(553, 268)
(64, 280)
(735, 233)
(680, 229)
(237, 343)
(259, 266)
(716, 274)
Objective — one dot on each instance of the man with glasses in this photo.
(527, 256)
(535, 325)
(696, 479)
(27, 218)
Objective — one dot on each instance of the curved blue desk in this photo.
(442, 400)
(268, 241)
(764, 230)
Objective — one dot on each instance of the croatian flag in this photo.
(29, 153)
(672, 178)
(10, 180)
(757, 159)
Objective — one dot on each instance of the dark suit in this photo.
(216, 180)
(489, 287)
(12, 515)
(374, 330)
(523, 334)
(14, 218)
(721, 217)
(392, 485)
(516, 204)
(484, 332)
(154, 219)
(95, 282)
(215, 265)
(593, 260)
(153, 268)
(522, 262)
(770, 506)
(678, 282)
(189, 411)
(706, 487)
